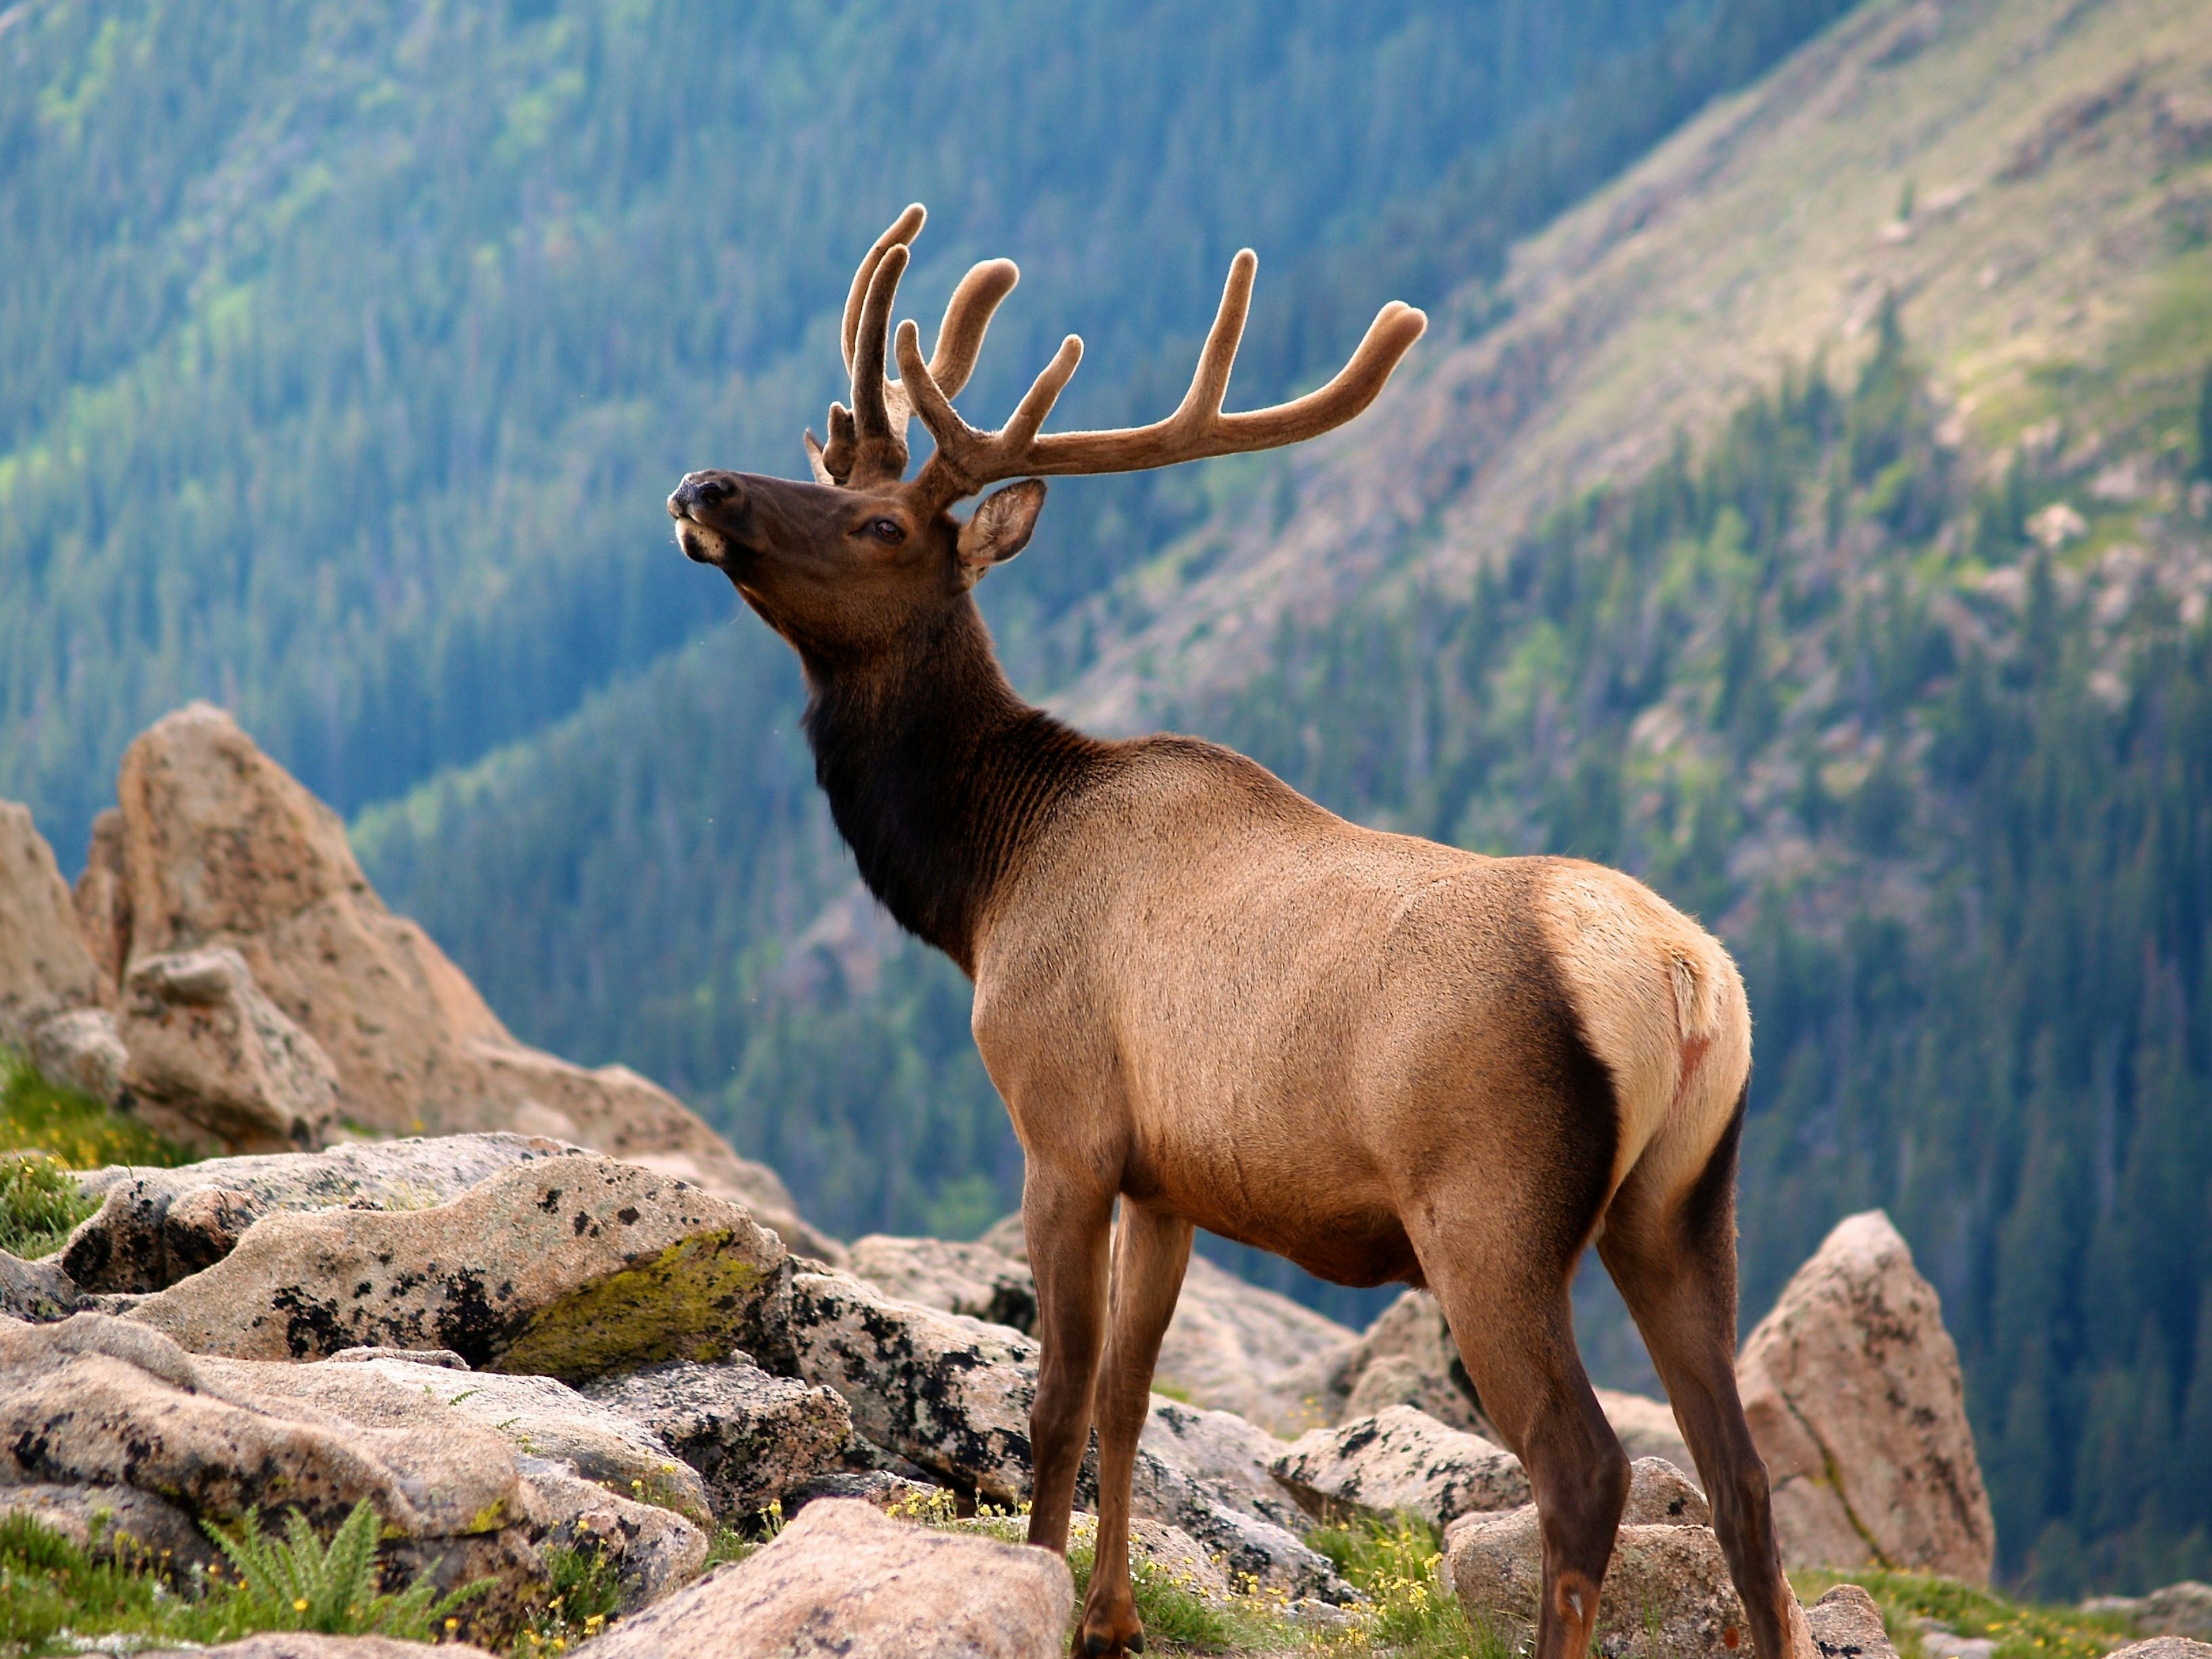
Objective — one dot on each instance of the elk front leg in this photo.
(1150, 1253)
(1067, 1223)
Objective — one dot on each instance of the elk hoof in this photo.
(1099, 1644)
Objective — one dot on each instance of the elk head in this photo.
(863, 557)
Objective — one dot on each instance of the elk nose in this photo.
(703, 490)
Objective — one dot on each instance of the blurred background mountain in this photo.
(1803, 499)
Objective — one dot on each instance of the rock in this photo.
(97, 1403)
(102, 897)
(2164, 1647)
(567, 1267)
(1645, 1427)
(212, 1063)
(300, 1644)
(844, 1579)
(880, 1487)
(82, 1050)
(751, 1437)
(139, 1240)
(1406, 1357)
(37, 1291)
(1228, 1343)
(1853, 1390)
(1668, 1594)
(1847, 1624)
(44, 968)
(2182, 1609)
(118, 1522)
(1661, 1495)
(972, 1279)
(219, 845)
(1399, 1461)
(954, 1394)
(537, 1415)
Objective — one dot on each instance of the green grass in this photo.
(39, 1203)
(77, 1130)
(585, 1591)
(2021, 1630)
(54, 1595)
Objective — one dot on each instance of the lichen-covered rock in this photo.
(45, 966)
(2180, 1609)
(113, 1409)
(2164, 1647)
(569, 1267)
(1661, 1495)
(537, 1415)
(37, 1291)
(844, 1579)
(1847, 1624)
(214, 1063)
(154, 1227)
(1400, 1460)
(1854, 1397)
(972, 1279)
(219, 845)
(751, 1437)
(1667, 1596)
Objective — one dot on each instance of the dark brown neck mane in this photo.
(938, 775)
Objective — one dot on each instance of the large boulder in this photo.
(567, 1267)
(106, 1406)
(1667, 1596)
(217, 844)
(1846, 1624)
(2164, 1647)
(45, 967)
(1407, 1357)
(154, 1227)
(305, 1645)
(844, 1579)
(750, 1436)
(1853, 1390)
(1645, 1427)
(212, 1063)
(2182, 1609)
(1399, 1461)
(974, 1279)
(38, 1291)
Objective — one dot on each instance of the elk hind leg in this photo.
(1150, 1251)
(1513, 1322)
(1673, 1259)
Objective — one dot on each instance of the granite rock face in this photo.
(37, 1291)
(1854, 1397)
(751, 1437)
(972, 1279)
(213, 1063)
(154, 1227)
(45, 969)
(1645, 1427)
(2182, 1609)
(567, 1267)
(1400, 1459)
(1847, 1624)
(301, 1644)
(842, 1578)
(1406, 1357)
(2164, 1647)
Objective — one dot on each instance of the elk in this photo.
(1203, 996)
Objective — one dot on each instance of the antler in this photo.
(867, 443)
(967, 460)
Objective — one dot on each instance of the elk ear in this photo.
(1000, 526)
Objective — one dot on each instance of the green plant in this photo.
(2021, 1630)
(37, 1114)
(585, 1590)
(39, 1203)
(300, 1583)
(1408, 1612)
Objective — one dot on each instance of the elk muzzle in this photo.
(712, 515)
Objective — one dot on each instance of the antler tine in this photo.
(903, 231)
(959, 336)
(966, 459)
(879, 452)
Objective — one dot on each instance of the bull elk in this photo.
(1203, 995)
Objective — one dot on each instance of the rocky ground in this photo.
(593, 1374)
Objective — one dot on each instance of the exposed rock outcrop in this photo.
(44, 968)
(1400, 1460)
(301, 1645)
(842, 1578)
(2164, 1647)
(38, 1291)
(1645, 1427)
(569, 1267)
(751, 1436)
(974, 1279)
(2182, 1609)
(1847, 1624)
(1854, 1397)
(1406, 1357)
(214, 1064)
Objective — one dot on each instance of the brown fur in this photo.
(1203, 995)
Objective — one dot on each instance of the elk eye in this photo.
(887, 530)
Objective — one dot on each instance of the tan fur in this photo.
(1208, 1000)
